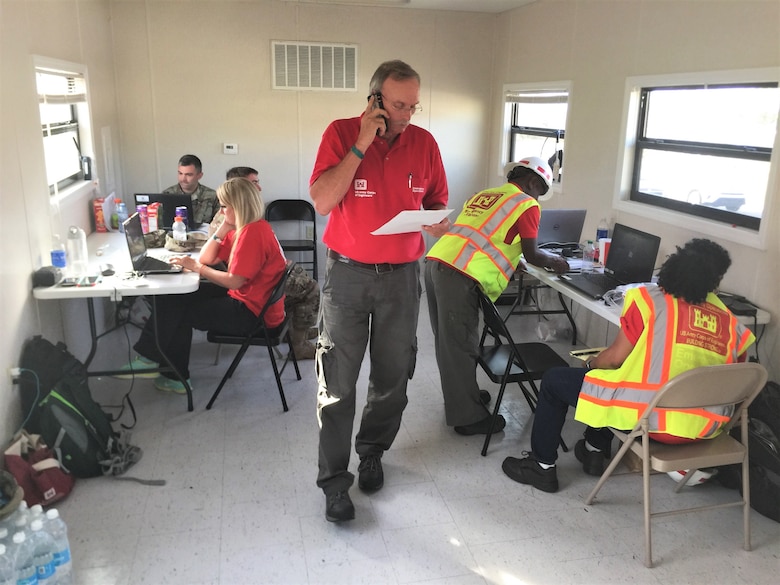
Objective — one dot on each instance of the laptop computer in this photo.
(631, 259)
(142, 263)
(560, 228)
(169, 203)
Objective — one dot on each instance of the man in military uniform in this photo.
(302, 293)
(204, 199)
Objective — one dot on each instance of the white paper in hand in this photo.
(411, 220)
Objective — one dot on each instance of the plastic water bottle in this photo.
(588, 256)
(7, 576)
(179, 230)
(78, 256)
(63, 567)
(5, 538)
(58, 256)
(121, 214)
(602, 231)
(43, 552)
(24, 565)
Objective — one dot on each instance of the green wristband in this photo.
(356, 152)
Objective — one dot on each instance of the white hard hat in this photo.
(537, 165)
(699, 477)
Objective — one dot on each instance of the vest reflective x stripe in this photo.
(677, 337)
(475, 245)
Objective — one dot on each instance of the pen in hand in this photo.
(410, 180)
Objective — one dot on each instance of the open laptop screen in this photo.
(559, 228)
(632, 254)
(169, 202)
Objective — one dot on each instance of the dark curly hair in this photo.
(694, 270)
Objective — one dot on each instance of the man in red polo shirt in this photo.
(368, 169)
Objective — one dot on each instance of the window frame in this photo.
(511, 128)
(81, 114)
(711, 222)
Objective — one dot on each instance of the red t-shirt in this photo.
(258, 258)
(410, 175)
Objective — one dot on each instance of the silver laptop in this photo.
(560, 228)
(136, 245)
(631, 259)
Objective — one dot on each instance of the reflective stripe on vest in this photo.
(475, 244)
(710, 335)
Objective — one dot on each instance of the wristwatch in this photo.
(587, 363)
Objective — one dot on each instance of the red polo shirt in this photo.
(410, 175)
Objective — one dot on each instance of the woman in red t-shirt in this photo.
(229, 300)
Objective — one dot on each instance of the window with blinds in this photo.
(536, 123)
(62, 98)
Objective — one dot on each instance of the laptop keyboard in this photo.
(599, 279)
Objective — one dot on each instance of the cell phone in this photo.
(379, 104)
(69, 281)
(89, 280)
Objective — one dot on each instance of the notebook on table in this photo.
(142, 262)
(560, 228)
(631, 259)
(169, 202)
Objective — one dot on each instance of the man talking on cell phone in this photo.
(368, 169)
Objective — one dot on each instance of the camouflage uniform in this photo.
(302, 299)
(204, 203)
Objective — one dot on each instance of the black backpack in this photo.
(61, 409)
(43, 364)
(764, 445)
(74, 426)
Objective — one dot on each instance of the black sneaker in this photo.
(339, 507)
(593, 462)
(370, 474)
(482, 427)
(528, 471)
(484, 397)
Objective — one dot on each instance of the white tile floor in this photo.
(241, 506)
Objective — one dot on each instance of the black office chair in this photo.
(285, 211)
(507, 362)
(261, 335)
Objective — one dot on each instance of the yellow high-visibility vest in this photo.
(677, 337)
(476, 244)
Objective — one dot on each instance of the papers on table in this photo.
(411, 220)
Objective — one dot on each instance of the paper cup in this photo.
(604, 244)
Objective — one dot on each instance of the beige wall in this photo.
(171, 77)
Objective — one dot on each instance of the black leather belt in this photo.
(378, 268)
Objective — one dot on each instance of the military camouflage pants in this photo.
(302, 299)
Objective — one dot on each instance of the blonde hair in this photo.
(240, 194)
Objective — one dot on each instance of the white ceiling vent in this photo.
(322, 66)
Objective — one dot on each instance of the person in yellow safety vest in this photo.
(666, 330)
(481, 250)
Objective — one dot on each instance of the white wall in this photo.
(169, 77)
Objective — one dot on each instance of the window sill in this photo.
(74, 191)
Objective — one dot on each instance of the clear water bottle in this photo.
(63, 566)
(121, 214)
(58, 255)
(22, 555)
(78, 256)
(179, 230)
(588, 256)
(5, 538)
(43, 552)
(7, 575)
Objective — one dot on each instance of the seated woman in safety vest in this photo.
(665, 330)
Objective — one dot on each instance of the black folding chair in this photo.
(507, 362)
(261, 335)
(301, 213)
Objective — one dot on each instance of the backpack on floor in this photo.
(764, 445)
(80, 433)
(43, 364)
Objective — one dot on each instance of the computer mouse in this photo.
(106, 269)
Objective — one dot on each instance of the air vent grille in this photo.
(321, 66)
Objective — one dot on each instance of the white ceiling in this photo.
(493, 6)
